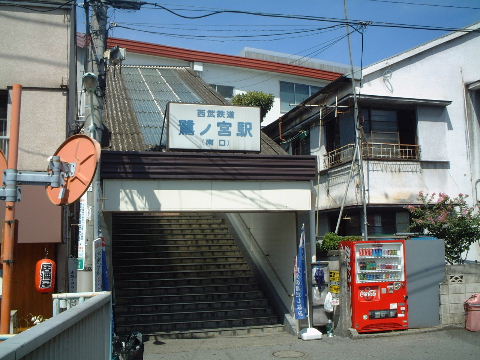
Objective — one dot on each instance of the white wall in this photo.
(273, 247)
(206, 195)
(241, 79)
(439, 73)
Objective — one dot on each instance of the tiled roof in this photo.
(137, 98)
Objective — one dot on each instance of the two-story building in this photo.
(37, 51)
(418, 116)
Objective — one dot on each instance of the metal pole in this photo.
(358, 140)
(9, 225)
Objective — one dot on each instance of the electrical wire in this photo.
(316, 52)
(220, 38)
(427, 4)
(153, 26)
(38, 10)
(316, 30)
(313, 18)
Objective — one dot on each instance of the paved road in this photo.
(447, 344)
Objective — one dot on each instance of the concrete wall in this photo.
(240, 78)
(42, 127)
(34, 47)
(439, 73)
(461, 281)
(270, 239)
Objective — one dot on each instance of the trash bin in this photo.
(472, 309)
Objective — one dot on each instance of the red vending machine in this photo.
(377, 279)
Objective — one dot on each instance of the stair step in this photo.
(143, 254)
(194, 280)
(208, 297)
(202, 315)
(177, 230)
(176, 241)
(151, 327)
(179, 290)
(169, 226)
(121, 309)
(224, 332)
(181, 274)
(183, 267)
(178, 247)
(178, 260)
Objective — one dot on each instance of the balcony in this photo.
(372, 151)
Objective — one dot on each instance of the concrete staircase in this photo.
(183, 276)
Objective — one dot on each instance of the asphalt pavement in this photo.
(444, 344)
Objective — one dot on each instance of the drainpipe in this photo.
(9, 225)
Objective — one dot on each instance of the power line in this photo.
(326, 45)
(223, 38)
(40, 4)
(314, 18)
(243, 30)
(427, 4)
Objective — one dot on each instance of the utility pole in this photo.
(94, 85)
(94, 81)
(358, 139)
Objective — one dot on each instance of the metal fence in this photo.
(82, 332)
(373, 151)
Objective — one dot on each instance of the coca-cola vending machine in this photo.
(378, 284)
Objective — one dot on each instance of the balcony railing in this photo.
(373, 151)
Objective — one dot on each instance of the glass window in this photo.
(287, 96)
(302, 92)
(224, 90)
(292, 94)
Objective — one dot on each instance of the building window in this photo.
(381, 222)
(224, 90)
(388, 135)
(3, 121)
(292, 94)
(301, 145)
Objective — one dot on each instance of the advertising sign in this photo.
(300, 289)
(213, 127)
(82, 228)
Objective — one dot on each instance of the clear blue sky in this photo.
(229, 33)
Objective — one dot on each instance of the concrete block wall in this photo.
(461, 281)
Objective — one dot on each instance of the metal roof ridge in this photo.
(221, 59)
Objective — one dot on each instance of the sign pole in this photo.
(9, 224)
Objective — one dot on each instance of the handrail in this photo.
(373, 150)
(45, 337)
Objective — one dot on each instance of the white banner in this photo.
(213, 127)
(82, 228)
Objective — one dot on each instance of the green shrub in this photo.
(255, 98)
(331, 241)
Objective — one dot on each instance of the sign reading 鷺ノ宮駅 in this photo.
(213, 127)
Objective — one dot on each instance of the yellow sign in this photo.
(334, 289)
(334, 276)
